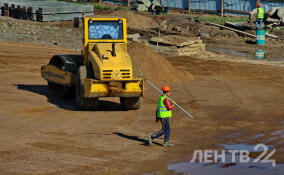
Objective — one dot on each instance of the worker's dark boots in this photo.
(149, 139)
(167, 144)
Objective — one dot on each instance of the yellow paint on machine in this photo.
(87, 41)
(104, 70)
(110, 68)
(96, 88)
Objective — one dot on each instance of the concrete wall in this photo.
(46, 10)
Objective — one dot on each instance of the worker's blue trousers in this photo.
(260, 23)
(165, 130)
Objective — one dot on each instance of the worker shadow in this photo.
(135, 138)
(68, 103)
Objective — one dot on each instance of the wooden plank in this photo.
(235, 30)
(193, 47)
(196, 52)
(174, 50)
(232, 25)
(271, 36)
(237, 27)
(238, 31)
(176, 40)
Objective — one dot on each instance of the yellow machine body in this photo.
(110, 72)
(108, 68)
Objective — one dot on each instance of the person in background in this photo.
(259, 16)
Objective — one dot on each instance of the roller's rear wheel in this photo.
(58, 90)
(82, 102)
(131, 103)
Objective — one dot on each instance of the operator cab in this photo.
(99, 29)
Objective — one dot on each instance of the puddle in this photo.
(186, 168)
(228, 166)
(238, 134)
(279, 133)
(233, 135)
(256, 136)
(243, 146)
(276, 136)
(228, 51)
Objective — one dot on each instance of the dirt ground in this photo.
(43, 135)
(64, 35)
(233, 98)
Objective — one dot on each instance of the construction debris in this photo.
(44, 10)
(272, 18)
(142, 5)
(241, 32)
(177, 45)
(133, 38)
(153, 6)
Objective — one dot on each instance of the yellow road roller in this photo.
(104, 70)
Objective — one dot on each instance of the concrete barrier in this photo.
(44, 10)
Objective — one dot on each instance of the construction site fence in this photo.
(54, 10)
(115, 2)
(232, 7)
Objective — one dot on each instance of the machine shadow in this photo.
(135, 138)
(67, 103)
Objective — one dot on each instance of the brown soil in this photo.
(42, 135)
(154, 67)
(134, 20)
(232, 101)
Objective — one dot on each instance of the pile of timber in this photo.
(177, 45)
(44, 10)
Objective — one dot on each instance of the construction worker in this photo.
(259, 16)
(163, 114)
